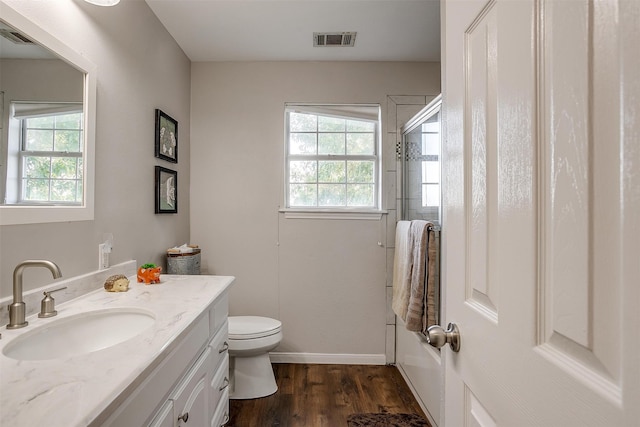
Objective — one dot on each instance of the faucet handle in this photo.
(47, 305)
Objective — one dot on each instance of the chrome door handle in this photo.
(437, 337)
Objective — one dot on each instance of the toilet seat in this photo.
(252, 327)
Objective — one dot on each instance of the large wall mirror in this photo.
(47, 126)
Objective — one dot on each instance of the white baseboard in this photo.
(328, 359)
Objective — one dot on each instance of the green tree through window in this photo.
(332, 157)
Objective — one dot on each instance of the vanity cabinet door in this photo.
(191, 397)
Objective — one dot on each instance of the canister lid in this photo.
(248, 327)
(181, 254)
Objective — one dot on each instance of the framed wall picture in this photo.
(166, 137)
(166, 190)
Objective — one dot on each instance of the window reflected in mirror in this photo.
(47, 145)
(47, 112)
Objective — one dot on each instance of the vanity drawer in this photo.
(218, 313)
(221, 415)
(219, 382)
(219, 346)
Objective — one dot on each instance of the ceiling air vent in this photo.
(14, 36)
(334, 39)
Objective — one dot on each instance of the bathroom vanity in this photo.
(172, 372)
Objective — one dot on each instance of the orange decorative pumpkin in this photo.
(149, 275)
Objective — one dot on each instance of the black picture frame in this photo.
(166, 147)
(166, 190)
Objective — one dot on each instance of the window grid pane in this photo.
(430, 195)
(63, 190)
(303, 194)
(36, 189)
(299, 122)
(303, 143)
(360, 194)
(431, 183)
(67, 141)
(331, 171)
(37, 167)
(331, 195)
(360, 126)
(303, 171)
(46, 122)
(39, 140)
(361, 172)
(331, 143)
(330, 124)
(361, 143)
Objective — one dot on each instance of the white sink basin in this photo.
(80, 334)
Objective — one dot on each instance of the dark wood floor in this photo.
(324, 395)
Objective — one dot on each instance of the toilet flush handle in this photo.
(224, 348)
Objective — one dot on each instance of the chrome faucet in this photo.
(17, 309)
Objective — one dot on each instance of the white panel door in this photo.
(541, 251)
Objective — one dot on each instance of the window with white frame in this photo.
(49, 156)
(332, 156)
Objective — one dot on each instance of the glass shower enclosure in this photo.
(421, 179)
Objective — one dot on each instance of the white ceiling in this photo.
(282, 30)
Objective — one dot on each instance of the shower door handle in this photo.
(438, 337)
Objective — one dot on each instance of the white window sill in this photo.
(358, 214)
(18, 214)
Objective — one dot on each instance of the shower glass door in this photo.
(421, 195)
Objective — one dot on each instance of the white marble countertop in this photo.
(74, 391)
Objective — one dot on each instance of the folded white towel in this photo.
(402, 261)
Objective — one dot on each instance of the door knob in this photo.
(437, 336)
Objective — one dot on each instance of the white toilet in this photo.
(250, 340)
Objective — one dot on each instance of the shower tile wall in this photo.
(400, 109)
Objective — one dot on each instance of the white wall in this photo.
(140, 68)
(325, 279)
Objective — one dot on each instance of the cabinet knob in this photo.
(184, 417)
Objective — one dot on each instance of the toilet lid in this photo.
(248, 327)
